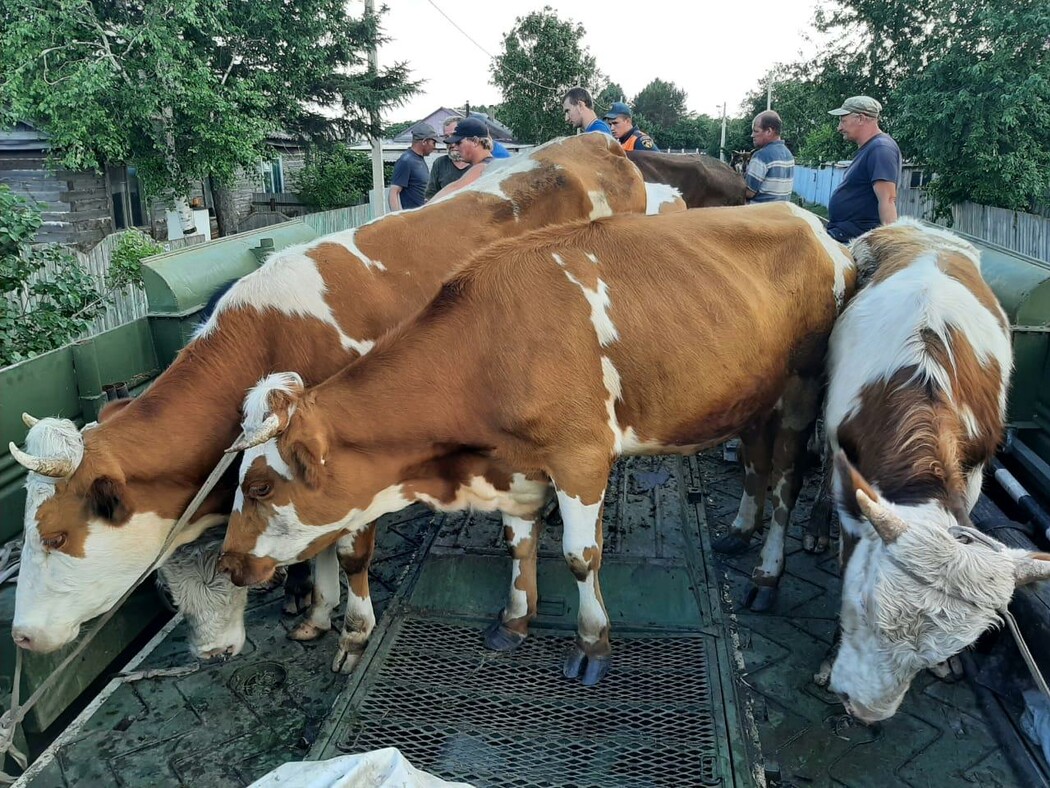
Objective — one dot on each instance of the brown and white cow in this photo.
(919, 366)
(539, 363)
(702, 182)
(100, 503)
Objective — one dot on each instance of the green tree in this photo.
(978, 113)
(334, 178)
(46, 297)
(606, 96)
(542, 57)
(188, 90)
(662, 104)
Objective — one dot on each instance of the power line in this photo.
(493, 57)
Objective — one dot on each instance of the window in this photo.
(125, 193)
(272, 173)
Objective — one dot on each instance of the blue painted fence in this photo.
(816, 185)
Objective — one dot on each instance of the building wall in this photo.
(76, 205)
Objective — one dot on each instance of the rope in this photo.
(14, 716)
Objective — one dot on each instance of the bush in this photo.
(125, 264)
(46, 296)
(335, 178)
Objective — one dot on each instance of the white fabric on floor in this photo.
(386, 768)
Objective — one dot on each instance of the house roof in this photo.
(23, 137)
(437, 118)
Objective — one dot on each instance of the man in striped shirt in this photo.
(771, 172)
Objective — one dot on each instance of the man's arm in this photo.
(886, 193)
(395, 198)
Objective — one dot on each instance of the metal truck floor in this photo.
(675, 709)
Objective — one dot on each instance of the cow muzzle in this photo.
(246, 570)
(41, 640)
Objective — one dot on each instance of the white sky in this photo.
(715, 51)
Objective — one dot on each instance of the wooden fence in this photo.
(1027, 233)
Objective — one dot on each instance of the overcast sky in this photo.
(715, 51)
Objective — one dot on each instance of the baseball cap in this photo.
(424, 131)
(468, 127)
(617, 109)
(864, 105)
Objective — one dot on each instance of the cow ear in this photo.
(108, 499)
(307, 456)
(1031, 568)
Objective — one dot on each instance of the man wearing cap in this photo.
(621, 121)
(408, 184)
(471, 141)
(867, 196)
(579, 111)
(771, 169)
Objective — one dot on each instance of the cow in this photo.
(101, 503)
(537, 365)
(919, 365)
(702, 181)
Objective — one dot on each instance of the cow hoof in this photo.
(591, 669)
(760, 599)
(731, 544)
(814, 544)
(304, 631)
(823, 676)
(217, 656)
(346, 659)
(499, 638)
(595, 671)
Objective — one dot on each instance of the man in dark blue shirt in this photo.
(867, 196)
(408, 184)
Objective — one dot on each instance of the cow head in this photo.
(300, 490)
(84, 542)
(212, 606)
(916, 591)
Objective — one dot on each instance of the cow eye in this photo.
(260, 490)
(54, 541)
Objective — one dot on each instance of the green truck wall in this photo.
(68, 383)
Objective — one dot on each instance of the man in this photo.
(447, 168)
(771, 171)
(470, 140)
(621, 121)
(408, 184)
(579, 111)
(867, 196)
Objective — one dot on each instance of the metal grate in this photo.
(464, 713)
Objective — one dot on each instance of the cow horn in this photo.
(55, 467)
(886, 524)
(1032, 568)
(268, 429)
(29, 421)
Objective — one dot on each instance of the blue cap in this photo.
(468, 127)
(617, 109)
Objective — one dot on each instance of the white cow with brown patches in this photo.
(539, 363)
(919, 367)
(101, 503)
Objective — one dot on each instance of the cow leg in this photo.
(318, 619)
(298, 588)
(355, 556)
(795, 417)
(582, 548)
(817, 537)
(512, 627)
(756, 443)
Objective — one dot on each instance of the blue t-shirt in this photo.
(412, 175)
(599, 125)
(498, 151)
(854, 208)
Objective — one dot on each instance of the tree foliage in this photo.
(46, 297)
(662, 104)
(335, 177)
(541, 58)
(188, 89)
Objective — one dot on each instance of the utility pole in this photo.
(377, 197)
(769, 95)
(722, 142)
